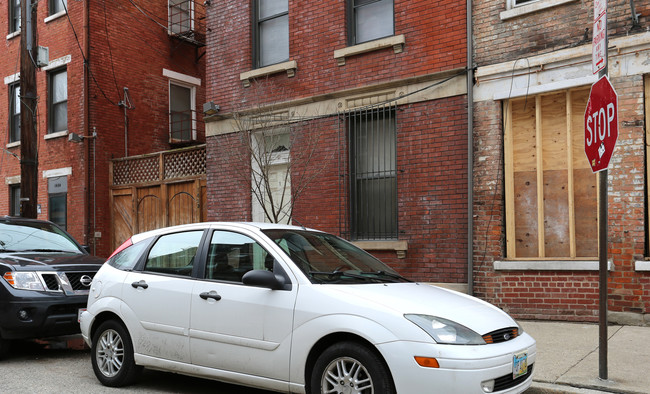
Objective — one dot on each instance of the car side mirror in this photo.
(263, 278)
(86, 248)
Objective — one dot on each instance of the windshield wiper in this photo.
(386, 275)
(49, 250)
(338, 274)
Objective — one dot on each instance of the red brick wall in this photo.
(432, 186)
(545, 31)
(127, 49)
(563, 295)
(435, 41)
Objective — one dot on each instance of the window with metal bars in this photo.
(373, 173)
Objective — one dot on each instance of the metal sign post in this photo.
(599, 65)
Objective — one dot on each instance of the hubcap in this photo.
(110, 353)
(346, 375)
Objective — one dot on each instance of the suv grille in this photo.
(70, 283)
(79, 280)
(498, 336)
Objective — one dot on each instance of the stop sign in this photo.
(601, 124)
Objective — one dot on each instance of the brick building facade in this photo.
(143, 77)
(385, 104)
(535, 197)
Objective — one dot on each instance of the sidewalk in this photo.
(568, 360)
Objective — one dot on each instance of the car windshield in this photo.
(325, 258)
(35, 237)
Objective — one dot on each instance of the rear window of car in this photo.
(127, 258)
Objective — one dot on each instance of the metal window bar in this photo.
(181, 16)
(371, 133)
(183, 126)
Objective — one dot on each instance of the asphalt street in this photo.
(36, 368)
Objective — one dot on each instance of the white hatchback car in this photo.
(290, 309)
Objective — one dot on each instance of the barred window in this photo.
(373, 173)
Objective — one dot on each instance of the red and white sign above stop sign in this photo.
(601, 124)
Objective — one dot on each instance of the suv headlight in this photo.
(24, 280)
(446, 331)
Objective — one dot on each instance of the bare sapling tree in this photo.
(278, 155)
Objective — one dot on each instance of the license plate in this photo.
(81, 310)
(519, 364)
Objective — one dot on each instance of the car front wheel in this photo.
(349, 367)
(112, 355)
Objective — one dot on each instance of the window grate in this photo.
(372, 140)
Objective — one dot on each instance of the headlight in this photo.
(446, 331)
(24, 280)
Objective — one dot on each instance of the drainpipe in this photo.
(88, 230)
(470, 152)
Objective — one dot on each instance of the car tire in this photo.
(112, 355)
(346, 365)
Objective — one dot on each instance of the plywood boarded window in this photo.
(551, 193)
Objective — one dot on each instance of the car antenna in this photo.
(293, 219)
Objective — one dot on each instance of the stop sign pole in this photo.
(604, 118)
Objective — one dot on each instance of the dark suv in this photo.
(46, 278)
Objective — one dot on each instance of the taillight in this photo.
(125, 245)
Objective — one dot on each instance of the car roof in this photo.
(253, 226)
(19, 219)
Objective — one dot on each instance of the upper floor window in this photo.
(182, 118)
(56, 6)
(14, 112)
(14, 15)
(58, 101)
(373, 173)
(14, 199)
(271, 32)
(181, 16)
(369, 20)
(515, 3)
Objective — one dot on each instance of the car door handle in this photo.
(211, 294)
(140, 283)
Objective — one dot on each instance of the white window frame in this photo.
(514, 10)
(187, 81)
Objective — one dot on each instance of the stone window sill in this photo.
(290, 67)
(532, 7)
(13, 144)
(550, 265)
(54, 16)
(642, 265)
(12, 35)
(56, 135)
(397, 42)
(398, 246)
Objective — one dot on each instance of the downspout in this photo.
(470, 151)
(89, 231)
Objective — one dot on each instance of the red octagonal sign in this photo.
(601, 124)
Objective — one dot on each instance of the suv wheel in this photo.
(112, 355)
(349, 367)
